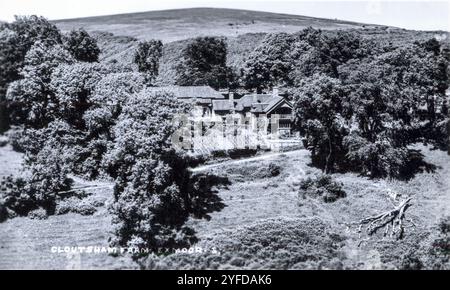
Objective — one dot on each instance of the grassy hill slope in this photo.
(172, 25)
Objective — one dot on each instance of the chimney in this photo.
(231, 100)
(275, 91)
(255, 97)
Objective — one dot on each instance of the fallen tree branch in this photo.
(391, 221)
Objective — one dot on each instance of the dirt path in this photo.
(246, 160)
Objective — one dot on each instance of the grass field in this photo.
(251, 198)
(177, 24)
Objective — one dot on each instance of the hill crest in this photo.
(178, 24)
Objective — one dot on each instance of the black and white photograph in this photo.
(224, 135)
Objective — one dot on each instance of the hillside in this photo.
(251, 199)
(177, 24)
(119, 35)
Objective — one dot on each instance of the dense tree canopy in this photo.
(320, 116)
(379, 106)
(270, 62)
(147, 57)
(150, 195)
(82, 46)
(16, 38)
(31, 100)
(204, 63)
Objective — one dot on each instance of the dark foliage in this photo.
(381, 103)
(40, 190)
(16, 38)
(270, 63)
(82, 46)
(319, 117)
(154, 191)
(271, 244)
(204, 63)
(321, 186)
(147, 57)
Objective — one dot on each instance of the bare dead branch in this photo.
(391, 221)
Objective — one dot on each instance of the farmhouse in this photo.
(214, 105)
(200, 96)
(257, 105)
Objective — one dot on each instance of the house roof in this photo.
(274, 104)
(222, 105)
(258, 107)
(260, 103)
(247, 101)
(191, 92)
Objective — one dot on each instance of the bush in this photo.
(284, 243)
(82, 46)
(38, 214)
(438, 257)
(41, 187)
(76, 205)
(17, 196)
(274, 169)
(260, 170)
(3, 141)
(3, 213)
(322, 186)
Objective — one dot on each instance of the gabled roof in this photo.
(247, 101)
(191, 92)
(275, 102)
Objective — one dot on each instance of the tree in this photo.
(107, 100)
(16, 39)
(45, 181)
(31, 101)
(150, 197)
(285, 59)
(320, 116)
(204, 63)
(317, 52)
(82, 46)
(72, 86)
(397, 99)
(270, 63)
(147, 57)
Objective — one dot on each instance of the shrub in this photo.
(438, 257)
(3, 141)
(274, 169)
(76, 205)
(41, 187)
(17, 196)
(38, 214)
(283, 243)
(428, 250)
(322, 186)
(3, 212)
